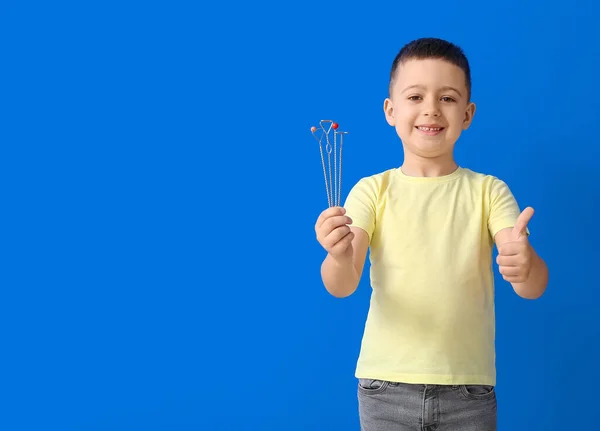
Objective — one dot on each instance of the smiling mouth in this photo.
(429, 129)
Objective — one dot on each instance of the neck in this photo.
(417, 166)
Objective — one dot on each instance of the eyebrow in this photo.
(444, 88)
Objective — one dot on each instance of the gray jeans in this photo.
(391, 406)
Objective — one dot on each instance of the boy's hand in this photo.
(515, 256)
(333, 232)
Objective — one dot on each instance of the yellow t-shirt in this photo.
(431, 316)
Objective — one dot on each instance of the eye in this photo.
(414, 98)
(448, 99)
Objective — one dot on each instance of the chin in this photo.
(430, 149)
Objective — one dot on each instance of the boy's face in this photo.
(429, 107)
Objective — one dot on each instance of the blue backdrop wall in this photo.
(160, 185)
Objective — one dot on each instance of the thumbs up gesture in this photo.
(515, 256)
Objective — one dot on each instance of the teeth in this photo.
(430, 129)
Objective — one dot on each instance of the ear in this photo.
(388, 109)
(469, 114)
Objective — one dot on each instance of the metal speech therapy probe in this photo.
(333, 178)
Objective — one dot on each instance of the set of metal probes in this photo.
(332, 174)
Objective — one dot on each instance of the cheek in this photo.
(455, 117)
(406, 119)
(405, 127)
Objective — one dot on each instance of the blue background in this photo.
(160, 185)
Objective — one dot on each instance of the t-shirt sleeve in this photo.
(504, 209)
(361, 205)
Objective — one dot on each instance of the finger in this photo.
(335, 236)
(522, 221)
(511, 261)
(343, 244)
(509, 249)
(509, 271)
(333, 223)
(507, 261)
(514, 278)
(328, 213)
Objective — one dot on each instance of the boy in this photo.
(427, 359)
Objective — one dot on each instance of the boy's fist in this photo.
(515, 256)
(333, 232)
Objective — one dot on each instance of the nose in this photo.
(432, 110)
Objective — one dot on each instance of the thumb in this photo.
(521, 225)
